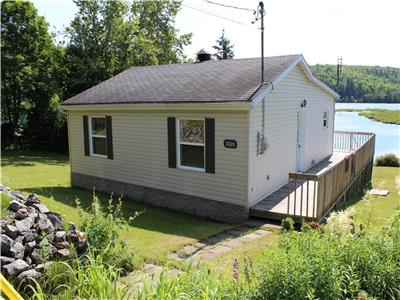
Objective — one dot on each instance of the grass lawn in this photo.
(252, 250)
(152, 235)
(158, 232)
(373, 211)
(380, 115)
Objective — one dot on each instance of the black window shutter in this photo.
(210, 145)
(86, 135)
(110, 151)
(171, 142)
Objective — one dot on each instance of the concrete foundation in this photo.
(220, 211)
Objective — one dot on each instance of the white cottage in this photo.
(204, 138)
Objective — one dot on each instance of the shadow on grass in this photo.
(27, 159)
(152, 218)
(355, 197)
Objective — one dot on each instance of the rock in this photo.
(41, 208)
(56, 220)
(16, 267)
(63, 253)
(24, 225)
(52, 250)
(19, 239)
(17, 251)
(6, 243)
(21, 213)
(46, 246)
(43, 267)
(11, 231)
(72, 236)
(50, 237)
(44, 243)
(81, 246)
(32, 199)
(36, 256)
(28, 260)
(72, 226)
(44, 224)
(15, 205)
(26, 276)
(60, 236)
(32, 211)
(61, 245)
(29, 246)
(4, 260)
(30, 236)
(19, 196)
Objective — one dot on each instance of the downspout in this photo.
(263, 143)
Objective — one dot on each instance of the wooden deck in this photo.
(275, 206)
(312, 194)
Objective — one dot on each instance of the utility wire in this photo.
(230, 6)
(215, 15)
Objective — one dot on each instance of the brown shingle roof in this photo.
(212, 81)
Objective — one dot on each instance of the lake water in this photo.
(387, 135)
(391, 106)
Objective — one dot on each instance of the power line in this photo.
(230, 6)
(215, 15)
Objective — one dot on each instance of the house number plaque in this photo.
(231, 144)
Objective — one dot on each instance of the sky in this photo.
(363, 32)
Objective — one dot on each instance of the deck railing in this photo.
(311, 196)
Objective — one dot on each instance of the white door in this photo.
(300, 140)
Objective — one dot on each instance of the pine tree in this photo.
(223, 47)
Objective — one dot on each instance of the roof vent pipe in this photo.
(203, 56)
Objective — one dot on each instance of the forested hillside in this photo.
(362, 83)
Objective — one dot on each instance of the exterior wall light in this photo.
(303, 103)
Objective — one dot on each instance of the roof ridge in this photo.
(211, 61)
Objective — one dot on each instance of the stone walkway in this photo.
(217, 245)
(205, 250)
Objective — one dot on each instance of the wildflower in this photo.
(235, 270)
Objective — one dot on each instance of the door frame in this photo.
(300, 142)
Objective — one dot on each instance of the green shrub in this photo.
(388, 160)
(5, 201)
(287, 224)
(86, 278)
(102, 227)
(194, 283)
(341, 223)
(311, 265)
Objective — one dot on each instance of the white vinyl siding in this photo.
(269, 171)
(141, 154)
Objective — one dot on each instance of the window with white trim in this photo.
(190, 144)
(98, 136)
(325, 119)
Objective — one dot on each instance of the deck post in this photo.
(333, 184)
(295, 196)
(351, 141)
(307, 199)
(288, 197)
(301, 200)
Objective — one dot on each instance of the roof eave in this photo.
(172, 106)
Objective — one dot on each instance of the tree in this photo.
(156, 20)
(363, 83)
(29, 61)
(224, 47)
(107, 37)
